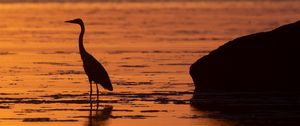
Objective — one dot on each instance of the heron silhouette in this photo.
(94, 70)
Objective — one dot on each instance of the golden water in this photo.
(145, 47)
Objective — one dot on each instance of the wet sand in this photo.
(145, 47)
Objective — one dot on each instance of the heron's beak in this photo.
(70, 21)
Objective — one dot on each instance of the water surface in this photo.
(145, 47)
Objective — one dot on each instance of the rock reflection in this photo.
(99, 117)
(270, 115)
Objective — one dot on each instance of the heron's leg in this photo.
(91, 115)
(91, 109)
(97, 93)
(97, 106)
(91, 91)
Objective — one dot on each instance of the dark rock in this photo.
(260, 62)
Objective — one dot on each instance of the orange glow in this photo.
(145, 47)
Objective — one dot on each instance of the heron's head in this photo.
(75, 21)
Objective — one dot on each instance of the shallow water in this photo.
(145, 47)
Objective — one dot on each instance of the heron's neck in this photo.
(81, 47)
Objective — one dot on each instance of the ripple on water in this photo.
(53, 63)
(47, 120)
(134, 66)
(7, 53)
(156, 51)
(5, 107)
(152, 111)
(64, 72)
(175, 64)
(132, 116)
(132, 83)
(58, 52)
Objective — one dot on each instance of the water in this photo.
(145, 47)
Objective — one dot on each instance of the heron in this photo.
(93, 69)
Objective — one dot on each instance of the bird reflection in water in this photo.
(100, 117)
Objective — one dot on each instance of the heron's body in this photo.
(94, 70)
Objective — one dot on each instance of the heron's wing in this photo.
(96, 72)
